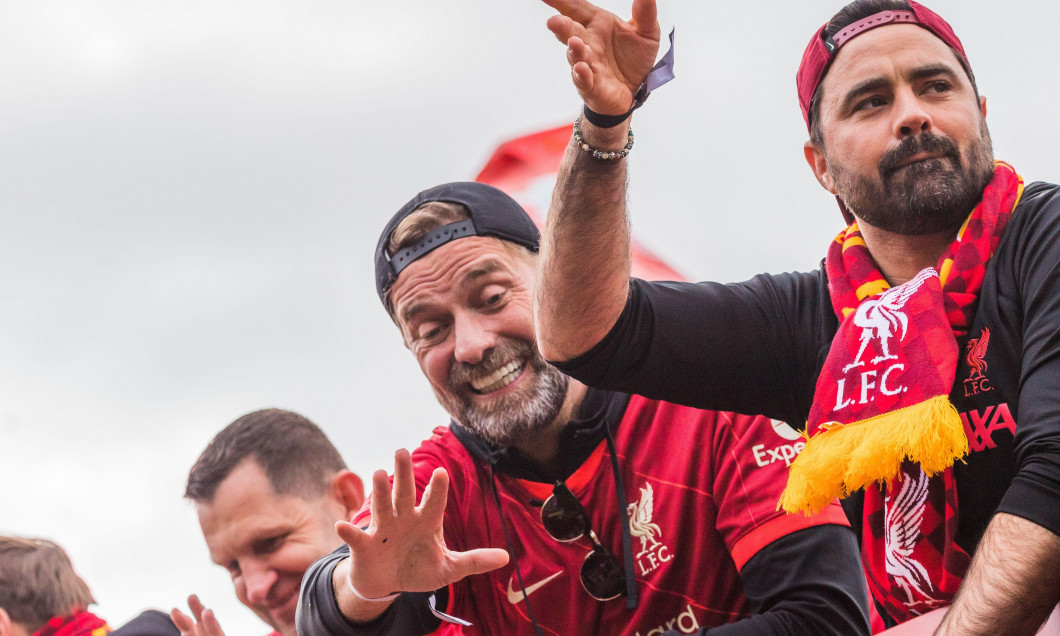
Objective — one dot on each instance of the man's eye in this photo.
(494, 296)
(872, 102)
(271, 544)
(938, 87)
(429, 332)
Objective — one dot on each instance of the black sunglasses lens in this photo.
(563, 523)
(602, 576)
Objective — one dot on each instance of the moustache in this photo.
(461, 373)
(909, 147)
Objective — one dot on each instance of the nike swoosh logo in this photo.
(515, 596)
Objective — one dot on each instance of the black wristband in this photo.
(662, 72)
(605, 121)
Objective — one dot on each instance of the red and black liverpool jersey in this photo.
(702, 490)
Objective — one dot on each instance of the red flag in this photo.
(526, 168)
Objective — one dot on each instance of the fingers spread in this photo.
(357, 539)
(404, 483)
(196, 607)
(578, 51)
(381, 508)
(209, 621)
(183, 622)
(579, 10)
(583, 77)
(564, 28)
(435, 496)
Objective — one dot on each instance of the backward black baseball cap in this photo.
(493, 213)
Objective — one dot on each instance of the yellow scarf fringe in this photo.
(847, 457)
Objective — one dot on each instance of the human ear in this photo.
(819, 165)
(348, 489)
(982, 104)
(7, 625)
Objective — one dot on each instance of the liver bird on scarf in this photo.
(880, 318)
(904, 513)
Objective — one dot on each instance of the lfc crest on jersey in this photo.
(975, 357)
(653, 552)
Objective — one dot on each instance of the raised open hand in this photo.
(609, 57)
(204, 623)
(403, 549)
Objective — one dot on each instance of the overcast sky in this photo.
(191, 192)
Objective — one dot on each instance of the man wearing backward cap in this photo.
(924, 356)
(550, 508)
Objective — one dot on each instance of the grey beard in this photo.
(514, 418)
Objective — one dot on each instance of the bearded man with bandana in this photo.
(929, 336)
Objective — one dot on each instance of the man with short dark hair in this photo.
(571, 510)
(268, 491)
(927, 335)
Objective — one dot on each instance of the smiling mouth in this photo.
(499, 379)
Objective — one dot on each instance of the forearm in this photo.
(1012, 584)
(585, 250)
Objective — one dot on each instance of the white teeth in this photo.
(502, 377)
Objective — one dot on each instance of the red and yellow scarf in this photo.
(881, 415)
(80, 624)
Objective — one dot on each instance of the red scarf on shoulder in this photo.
(80, 624)
(881, 417)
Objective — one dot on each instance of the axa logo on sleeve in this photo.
(786, 453)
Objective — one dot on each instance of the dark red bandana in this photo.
(80, 624)
(881, 417)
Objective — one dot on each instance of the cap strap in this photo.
(436, 238)
(877, 19)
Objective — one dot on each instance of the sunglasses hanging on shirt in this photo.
(566, 520)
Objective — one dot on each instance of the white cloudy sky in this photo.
(190, 193)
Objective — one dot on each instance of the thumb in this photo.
(479, 561)
(645, 16)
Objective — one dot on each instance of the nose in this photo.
(474, 337)
(911, 116)
(258, 579)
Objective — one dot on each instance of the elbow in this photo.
(566, 330)
(551, 348)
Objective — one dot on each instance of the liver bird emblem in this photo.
(976, 355)
(882, 317)
(640, 524)
(902, 517)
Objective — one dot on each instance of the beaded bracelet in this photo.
(601, 154)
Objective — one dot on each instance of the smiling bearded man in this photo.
(560, 479)
(513, 418)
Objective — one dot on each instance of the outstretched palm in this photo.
(609, 57)
(403, 548)
(202, 621)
